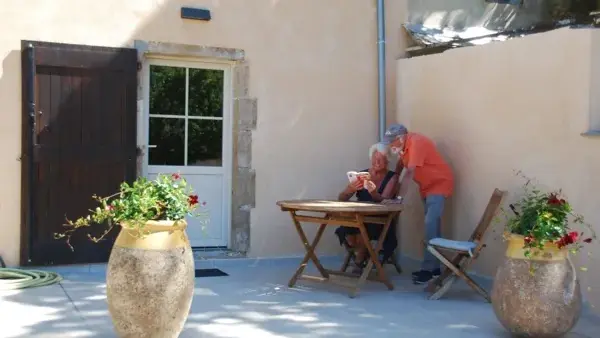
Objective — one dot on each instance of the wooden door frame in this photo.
(28, 127)
(227, 156)
(244, 120)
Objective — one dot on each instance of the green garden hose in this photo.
(13, 279)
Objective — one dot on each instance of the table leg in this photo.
(310, 250)
(380, 240)
(346, 263)
(373, 254)
(361, 280)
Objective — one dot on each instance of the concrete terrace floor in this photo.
(254, 301)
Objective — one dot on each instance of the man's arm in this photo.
(399, 167)
(415, 159)
(390, 190)
(408, 176)
(401, 193)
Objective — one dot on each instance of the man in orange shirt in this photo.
(423, 164)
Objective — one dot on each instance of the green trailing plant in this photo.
(167, 198)
(543, 217)
(577, 10)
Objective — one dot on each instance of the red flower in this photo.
(110, 208)
(528, 239)
(553, 200)
(588, 240)
(567, 239)
(573, 236)
(193, 199)
(176, 176)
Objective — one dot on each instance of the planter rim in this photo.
(159, 226)
(156, 235)
(550, 253)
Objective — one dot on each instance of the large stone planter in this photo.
(150, 281)
(544, 302)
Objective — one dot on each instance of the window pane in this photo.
(168, 137)
(206, 92)
(205, 143)
(167, 90)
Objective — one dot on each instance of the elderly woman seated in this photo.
(383, 184)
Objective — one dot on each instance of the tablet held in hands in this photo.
(361, 177)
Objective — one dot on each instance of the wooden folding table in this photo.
(350, 214)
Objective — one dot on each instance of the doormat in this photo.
(210, 273)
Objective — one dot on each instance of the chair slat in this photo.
(488, 215)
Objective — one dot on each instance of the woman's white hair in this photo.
(381, 148)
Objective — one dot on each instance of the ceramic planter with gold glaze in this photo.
(537, 296)
(150, 281)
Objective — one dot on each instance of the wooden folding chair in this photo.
(465, 252)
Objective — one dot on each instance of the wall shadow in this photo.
(254, 301)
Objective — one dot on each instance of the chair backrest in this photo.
(487, 217)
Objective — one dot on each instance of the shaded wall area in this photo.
(515, 105)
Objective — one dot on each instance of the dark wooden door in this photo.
(79, 140)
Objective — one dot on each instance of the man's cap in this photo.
(394, 131)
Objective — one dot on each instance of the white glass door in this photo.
(188, 131)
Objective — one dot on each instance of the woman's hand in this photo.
(355, 186)
(370, 186)
(350, 190)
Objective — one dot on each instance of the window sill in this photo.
(591, 133)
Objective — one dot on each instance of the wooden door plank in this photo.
(82, 59)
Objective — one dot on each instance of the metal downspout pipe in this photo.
(381, 67)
